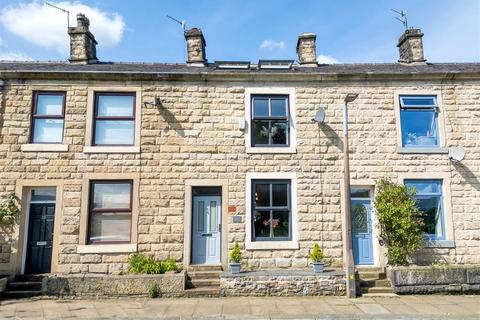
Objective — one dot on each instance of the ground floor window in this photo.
(271, 210)
(110, 211)
(429, 199)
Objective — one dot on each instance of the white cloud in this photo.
(46, 27)
(16, 56)
(324, 59)
(271, 45)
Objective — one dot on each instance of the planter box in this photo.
(170, 284)
(447, 279)
(283, 283)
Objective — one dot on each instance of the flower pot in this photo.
(318, 267)
(235, 267)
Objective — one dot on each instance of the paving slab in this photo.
(371, 308)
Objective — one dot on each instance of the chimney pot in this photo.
(306, 49)
(83, 46)
(195, 47)
(410, 47)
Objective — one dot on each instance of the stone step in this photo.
(370, 275)
(370, 269)
(202, 267)
(376, 290)
(201, 283)
(380, 295)
(21, 294)
(28, 278)
(375, 283)
(203, 274)
(202, 292)
(24, 286)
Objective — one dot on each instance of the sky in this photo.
(348, 31)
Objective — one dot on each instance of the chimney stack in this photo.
(195, 47)
(82, 42)
(410, 46)
(306, 49)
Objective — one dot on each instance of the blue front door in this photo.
(361, 212)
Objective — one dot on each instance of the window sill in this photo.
(425, 150)
(271, 245)
(107, 248)
(113, 149)
(439, 244)
(280, 150)
(45, 147)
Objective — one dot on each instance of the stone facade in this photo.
(286, 283)
(195, 134)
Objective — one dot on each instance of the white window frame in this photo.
(440, 149)
(288, 91)
(271, 245)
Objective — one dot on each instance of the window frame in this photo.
(91, 210)
(96, 118)
(442, 205)
(270, 118)
(34, 115)
(271, 208)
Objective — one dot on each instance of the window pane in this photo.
(279, 132)
(261, 221)
(260, 130)
(48, 131)
(359, 193)
(280, 224)
(213, 216)
(260, 107)
(111, 195)
(425, 187)
(279, 107)
(115, 106)
(110, 227)
(419, 127)
(430, 206)
(201, 216)
(114, 132)
(43, 194)
(280, 195)
(418, 101)
(262, 195)
(49, 105)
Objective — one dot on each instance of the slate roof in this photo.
(164, 68)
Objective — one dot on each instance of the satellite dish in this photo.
(320, 116)
(456, 154)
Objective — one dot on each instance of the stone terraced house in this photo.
(184, 160)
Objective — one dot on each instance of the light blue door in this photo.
(361, 212)
(207, 217)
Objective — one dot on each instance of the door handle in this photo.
(206, 234)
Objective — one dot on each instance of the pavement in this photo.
(403, 307)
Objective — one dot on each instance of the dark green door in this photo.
(40, 238)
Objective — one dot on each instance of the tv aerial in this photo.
(180, 22)
(403, 17)
(61, 9)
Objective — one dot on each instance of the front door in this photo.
(361, 212)
(40, 238)
(206, 225)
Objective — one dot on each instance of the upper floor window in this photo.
(110, 211)
(48, 117)
(430, 201)
(419, 121)
(270, 121)
(271, 210)
(114, 119)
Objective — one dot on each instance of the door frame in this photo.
(188, 213)
(23, 190)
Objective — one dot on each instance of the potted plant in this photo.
(235, 258)
(316, 255)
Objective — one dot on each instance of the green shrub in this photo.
(153, 289)
(316, 255)
(142, 264)
(400, 221)
(235, 254)
(9, 211)
(171, 265)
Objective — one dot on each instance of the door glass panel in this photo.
(201, 216)
(359, 217)
(360, 193)
(43, 194)
(213, 216)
